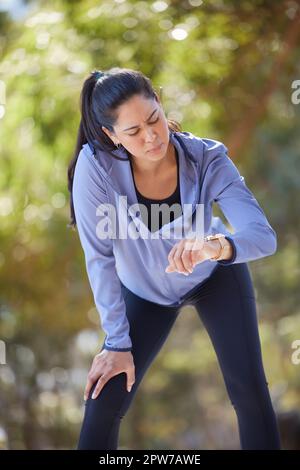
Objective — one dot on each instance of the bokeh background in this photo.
(227, 69)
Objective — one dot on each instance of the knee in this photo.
(113, 401)
(248, 394)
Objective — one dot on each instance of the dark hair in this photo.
(102, 93)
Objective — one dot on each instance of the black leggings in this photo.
(226, 305)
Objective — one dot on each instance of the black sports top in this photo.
(172, 199)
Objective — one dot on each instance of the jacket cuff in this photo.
(115, 348)
(234, 253)
(110, 348)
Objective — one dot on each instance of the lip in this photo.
(155, 149)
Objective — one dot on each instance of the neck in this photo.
(153, 169)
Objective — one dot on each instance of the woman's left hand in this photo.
(189, 252)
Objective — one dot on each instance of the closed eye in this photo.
(153, 122)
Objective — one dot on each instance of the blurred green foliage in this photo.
(226, 68)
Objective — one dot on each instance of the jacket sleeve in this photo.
(88, 193)
(253, 236)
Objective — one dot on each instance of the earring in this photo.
(160, 92)
(118, 145)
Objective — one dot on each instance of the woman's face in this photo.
(141, 126)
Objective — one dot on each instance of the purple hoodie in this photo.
(206, 175)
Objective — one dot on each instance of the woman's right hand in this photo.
(106, 365)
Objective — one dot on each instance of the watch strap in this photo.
(224, 246)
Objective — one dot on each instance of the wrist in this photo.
(221, 246)
(228, 251)
(214, 248)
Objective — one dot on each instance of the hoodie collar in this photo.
(118, 175)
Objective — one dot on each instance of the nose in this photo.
(150, 136)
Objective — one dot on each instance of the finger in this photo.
(178, 260)
(100, 384)
(172, 251)
(87, 390)
(171, 267)
(187, 260)
(189, 243)
(197, 252)
(130, 379)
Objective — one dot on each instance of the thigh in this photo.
(150, 324)
(226, 305)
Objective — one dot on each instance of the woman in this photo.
(130, 158)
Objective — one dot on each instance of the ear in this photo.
(158, 94)
(109, 134)
(157, 97)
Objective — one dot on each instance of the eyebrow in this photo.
(133, 127)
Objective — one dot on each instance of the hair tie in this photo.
(99, 75)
